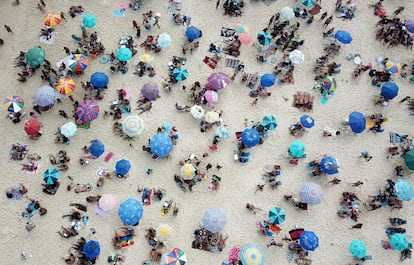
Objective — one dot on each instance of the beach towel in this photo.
(397, 138)
(48, 39)
(108, 157)
(315, 10)
(227, 32)
(210, 62)
(232, 62)
(118, 13)
(36, 164)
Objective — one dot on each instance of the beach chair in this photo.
(232, 62)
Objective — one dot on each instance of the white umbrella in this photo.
(197, 111)
(296, 57)
(287, 13)
(68, 129)
(211, 117)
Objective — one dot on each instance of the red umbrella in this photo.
(32, 127)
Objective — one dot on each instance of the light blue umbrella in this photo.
(45, 96)
(252, 255)
(358, 249)
(399, 241)
(404, 190)
(250, 137)
(311, 193)
(97, 148)
(164, 40)
(309, 240)
(161, 145)
(89, 20)
(68, 129)
(214, 220)
(223, 132)
(123, 54)
(297, 149)
(91, 249)
(122, 167)
(130, 211)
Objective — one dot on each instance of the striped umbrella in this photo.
(329, 84)
(277, 215)
(87, 111)
(32, 127)
(45, 96)
(65, 86)
(252, 255)
(133, 126)
(311, 193)
(269, 122)
(180, 73)
(175, 257)
(242, 28)
(51, 176)
(13, 103)
(52, 19)
(214, 220)
(80, 63)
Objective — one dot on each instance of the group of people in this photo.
(350, 206)
(232, 7)
(384, 197)
(205, 240)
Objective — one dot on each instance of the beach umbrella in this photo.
(389, 90)
(308, 3)
(79, 64)
(197, 111)
(122, 167)
(309, 240)
(252, 255)
(358, 249)
(89, 20)
(343, 36)
(296, 57)
(96, 148)
(392, 66)
(175, 257)
(13, 104)
(307, 121)
(311, 193)
(297, 149)
(133, 125)
(146, 58)
(161, 145)
(264, 38)
(150, 91)
(329, 165)
(329, 84)
(357, 122)
(211, 97)
(410, 25)
(180, 73)
(68, 129)
(214, 220)
(91, 249)
(277, 215)
(52, 19)
(244, 38)
(51, 176)
(218, 80)
(267, 80)
(130, 211)
(404, 190)
(269, 122)
(164, 40)
(87, 111)
(163, 232)
(192, 33)
(250, 137)
(45, 96)
(99, 80)
(399, 241)
(123, 54)
(107, 202)
(409, 159)
(223, 132)
(187, 171)
(65, 86)
(211, 117)
(286, 13)
(242, 28)
(35, 56)
(32, 127)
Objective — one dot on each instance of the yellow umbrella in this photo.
(164, 231)
(146, 58)
(188, 171)
(65, 86)
(52, 19)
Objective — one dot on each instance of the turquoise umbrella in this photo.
(269, 122)
(277, 215)
(51, 176)
(358, 249)
(409, 159)
(399, 242)
(123, 54)
(404, 190)
(35, 57)
(180, 73)
(297, 149)
(89, 20)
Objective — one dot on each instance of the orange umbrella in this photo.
(32, 127)
(65, 86)
(52, 19)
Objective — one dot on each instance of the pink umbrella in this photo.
(212, 97)
(107, 202)
(218, 80)
(244, 38)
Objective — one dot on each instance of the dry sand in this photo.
(238, 181)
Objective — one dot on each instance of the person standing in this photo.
(138, 31)
(9, 30)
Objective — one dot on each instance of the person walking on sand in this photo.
(43, 3)
(328, 21)
(134, 24)
(323, 16)
(9, 30)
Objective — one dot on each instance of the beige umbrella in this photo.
(164, 232)
(188, 171)
(211, 117)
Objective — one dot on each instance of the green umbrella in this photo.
(409, 159)
(35, 56)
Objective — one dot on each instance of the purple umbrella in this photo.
(410, 25)
(218, 80)
(150, 91)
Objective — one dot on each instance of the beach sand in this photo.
(44, 246)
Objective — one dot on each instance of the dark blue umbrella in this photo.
(264, 38)
(267, 80)
(99, 80)
(250, 137)
(269, 122)
(309, 240)
(307, 121)
(389, 90)
(161, 145)
(357, 122)
(343, 36)
(192, 33)
(122, 167)
(97, 148)
(130, 211)
(91, 249)
(329, 165)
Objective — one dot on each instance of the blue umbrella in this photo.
(267, 80)
(311, 193)
(264, 38)
(180, 73)
(250, 137)
(343, 36)
(358, 249)
(252, 255)
(51, 176)
(309, 240)
(91, 249)
(192, 33)
(357, 122)
(89, 20)
(97, 148)
(404, 190)
(130, 211)
(269, 122)
(389, 90)
(123, 54)
(329, 165)
(277, 215)
(99, 80)
(214, 220)
(161, 145)
(297, 149)
(122, 167)
(399, 241)
(307, 121)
